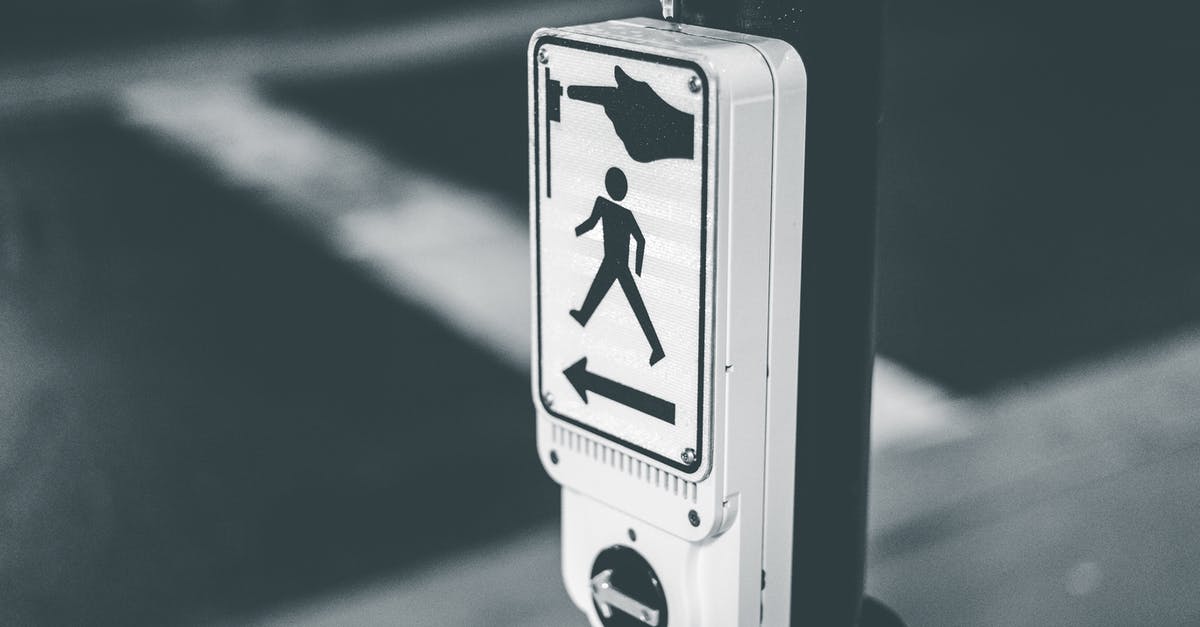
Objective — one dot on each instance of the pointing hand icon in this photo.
(650, 128)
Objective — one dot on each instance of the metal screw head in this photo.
(688, 456)
(543, 56)
(548, 398)
(645, 616)
(694, 84)
(694, 518)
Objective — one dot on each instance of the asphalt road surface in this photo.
(250, 372)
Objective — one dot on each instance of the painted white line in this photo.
(82, 77)
(455, 251)
(448, 249)
(514, 583)
(467, 265)
(908, 411)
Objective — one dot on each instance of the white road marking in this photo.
(908, 411)
(35, 85)
(446, 248)
(514, 583)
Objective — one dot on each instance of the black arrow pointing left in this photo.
(584, 381)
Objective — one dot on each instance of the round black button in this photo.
(630, 575)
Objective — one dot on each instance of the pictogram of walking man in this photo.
(618, 226)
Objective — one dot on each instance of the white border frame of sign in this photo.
(707, 237)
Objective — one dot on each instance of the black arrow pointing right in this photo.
(583, 381)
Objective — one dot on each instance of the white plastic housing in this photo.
(733, 567)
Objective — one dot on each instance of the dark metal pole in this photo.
(840, 42)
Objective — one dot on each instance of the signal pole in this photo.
(840, 42)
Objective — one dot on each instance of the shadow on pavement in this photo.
(223, 416)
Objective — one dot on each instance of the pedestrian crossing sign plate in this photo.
(624, 235)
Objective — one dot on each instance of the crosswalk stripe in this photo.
(29, 85)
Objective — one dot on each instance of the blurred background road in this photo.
(264, 315)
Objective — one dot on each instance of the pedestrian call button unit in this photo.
(666, 180)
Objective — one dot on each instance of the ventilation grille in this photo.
(602, 453)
